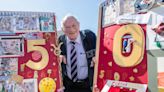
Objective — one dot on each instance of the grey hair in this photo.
(66, 17)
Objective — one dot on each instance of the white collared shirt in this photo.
(82, 65)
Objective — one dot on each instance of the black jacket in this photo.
(89, 43)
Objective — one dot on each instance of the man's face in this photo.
(71, 28)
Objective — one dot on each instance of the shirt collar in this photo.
(78, 40)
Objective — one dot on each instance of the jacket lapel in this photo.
(83, 40)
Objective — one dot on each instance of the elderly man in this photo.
(78, 49)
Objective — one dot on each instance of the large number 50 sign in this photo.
(137, 53)
(34, 45)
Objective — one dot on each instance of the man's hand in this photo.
(62, 59)
(61, 89)
(96, 89)
(93, 61)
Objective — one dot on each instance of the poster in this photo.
(121, 55)
(8, 66)
(34, 48)
(127, 7)
(27, 24)
(110, 12)
(28, 85)
(40, 59)
(11, 46)
(6, 24)
(47, 24)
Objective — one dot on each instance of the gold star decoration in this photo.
(105, 52)
(135, 70)
(116, 76)
(101, 76)
(131, 78)
(110, 63)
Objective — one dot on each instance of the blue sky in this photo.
(85, 10)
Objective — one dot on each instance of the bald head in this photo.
(70, 27)
(68, 16)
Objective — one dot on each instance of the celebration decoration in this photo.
(28, 47)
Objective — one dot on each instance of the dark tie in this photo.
(73, 60)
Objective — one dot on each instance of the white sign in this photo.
(138, 87)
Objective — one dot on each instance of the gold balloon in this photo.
(47, 85)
